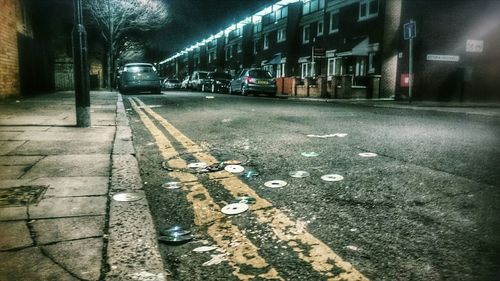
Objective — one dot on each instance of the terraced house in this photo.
(356, 48)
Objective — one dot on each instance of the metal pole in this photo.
(80, 69)
(410, 70)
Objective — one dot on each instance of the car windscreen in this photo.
(202, 75)
(263, 74)
(219, 75)
(173, 81)
(139, 69)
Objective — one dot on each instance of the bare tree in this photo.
(118, 18)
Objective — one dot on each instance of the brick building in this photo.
(15, 30)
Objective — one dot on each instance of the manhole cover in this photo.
(332, 177)
(172, 185)
(234, 209)
(299, 174)
(310, 154)
(275, 183)
(235, 169)
(21, 195)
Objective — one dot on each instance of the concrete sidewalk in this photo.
(58, 220)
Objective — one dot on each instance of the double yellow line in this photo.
(243, 254)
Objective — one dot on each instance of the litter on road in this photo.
(340, 135)
(216, 259)
(275, 183)
(127, 196)
(245, 200)
(234, 209)
(299, 174)
(332, 177)
(367, 154)
(203, 249)
(235, 169)
(172, 185)
(197, 165)
(310, 154)
(210, 97)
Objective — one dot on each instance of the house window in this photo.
(334, 22)
(305, 70)
(281, 35)
(306, 30)
(320, 28)
(334, 66)
(310, 6)
(281, 13)
(368, 9)
(360, 66)
(266, 41)
(257, 27)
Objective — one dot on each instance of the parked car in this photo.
(186, 83)
(139, 77)
(171, 84)
(216, 82)
(197, 79)
(253, 80)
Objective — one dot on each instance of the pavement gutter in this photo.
(132, 252)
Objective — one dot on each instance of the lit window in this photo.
(266, 41)
(334, 22)
(281, 35)
(320, 28)
(305, 34)
(368, 9)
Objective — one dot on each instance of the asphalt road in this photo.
(425, 208)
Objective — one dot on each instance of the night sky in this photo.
(194, 20)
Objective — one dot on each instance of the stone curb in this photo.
(132, 252)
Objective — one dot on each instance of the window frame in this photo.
(266, 41)
(366, 9)
(330, 28)
(308, 27)
(322, 24)
(281, 38)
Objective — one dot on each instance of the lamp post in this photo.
(80, 68)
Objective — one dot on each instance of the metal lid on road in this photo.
(275, 183)
(368, 154)
(234, 209)
(235, 169)
(310, 154)
(332, 177)
(299, 174)
(127, 196)
(172, 185)
(197, 165)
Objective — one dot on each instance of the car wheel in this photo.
(213, 88)
(244, 92)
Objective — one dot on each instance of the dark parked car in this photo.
(139, 77)
(171, 84)
(216, 82)
(197, 79)
(253, 80)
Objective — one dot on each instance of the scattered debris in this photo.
(234, 209)
(215, 167)
(368, 154)
(245, 200)
(165, 166)
(175, 239)
(127, 196)
(197, 165)
(310, 154)
(299, 174)
(216, 259)
(250, 174)
(232, 162)
(175, 234)
(275, 183)
(172, 185)
(352, 248)
(203, 249)
(332, 177)
(235, 169)
(340, 135)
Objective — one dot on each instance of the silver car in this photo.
(253, 80)
(139, 77)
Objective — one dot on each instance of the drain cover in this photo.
(234, 209)
(332, 177)
(235, 169)
(299, 174)
(367, 154)
(275, 183)
(21, 195)
(127, 196)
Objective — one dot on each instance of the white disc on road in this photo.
(275, 183)
(234, 209)
(367, 154)
(235, 169)
(127, 196)
(332, 177)
(197, 165)
(299, 174)
(310, 154)
(172, 185)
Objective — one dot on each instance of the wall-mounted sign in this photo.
(443, 58)
(409, 30)
(474, 46)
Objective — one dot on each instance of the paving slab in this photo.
(13, 213)
(8, 183)
(69, 134)
(23, 128)
(31, 264)
(19, 160)
(8, 135)
(74, 186)
(81, 257)
(55, 230)
(71, 166)
(68, 207)
(68, 147)
(8, 146)
(12, 172)
(14, 234)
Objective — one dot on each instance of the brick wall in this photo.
(9, 62)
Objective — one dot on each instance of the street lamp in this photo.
(80, 68)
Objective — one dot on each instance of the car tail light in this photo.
(250, 80)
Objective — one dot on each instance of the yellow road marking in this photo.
(206, 211)
(310, 249)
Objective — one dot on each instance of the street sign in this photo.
(451, 58)
(410, 30)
